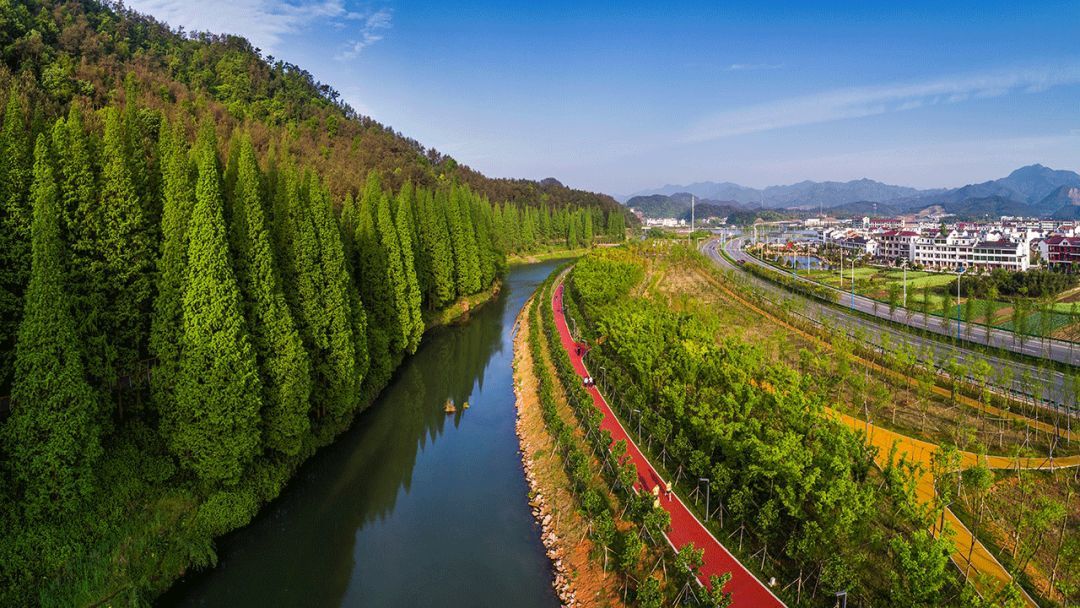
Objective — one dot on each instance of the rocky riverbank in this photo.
(578, 579)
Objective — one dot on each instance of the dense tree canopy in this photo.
(176, 336)
(795, 478)
(53, 436)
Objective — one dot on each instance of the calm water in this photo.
(804, 262)
(411, 507)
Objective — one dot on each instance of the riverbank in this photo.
(406, 489)
(460, 308)
(156, 541)
(557, 254)
(579, 580)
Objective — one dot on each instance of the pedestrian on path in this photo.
(668, 490)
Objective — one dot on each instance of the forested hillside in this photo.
(208, 266)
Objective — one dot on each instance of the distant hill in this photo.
(677, 206)
(704, 211)
(863, 208)
(1065, 201)
(1028, 186)
(806, 193)
(705, 191)
(656, 206)
(986, 207)
(1025, 191)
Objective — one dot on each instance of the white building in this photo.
(897, 244)
(956, 249)
(860, 245)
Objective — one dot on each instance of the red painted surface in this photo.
(745, 588)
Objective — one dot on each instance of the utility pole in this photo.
(691, 214)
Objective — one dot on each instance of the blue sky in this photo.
(619, 97)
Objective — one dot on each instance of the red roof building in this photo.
(1062, 251)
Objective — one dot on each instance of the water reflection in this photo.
(411, 506)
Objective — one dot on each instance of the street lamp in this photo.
(638, 412)
(841, 265)
(959, 273)
(904, 265)
(841, 599)
(853, 281)
(708, 486)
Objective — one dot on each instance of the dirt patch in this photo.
(579, 579)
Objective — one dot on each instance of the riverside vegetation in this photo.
(625, 527)
(797, 492)
(210, 265)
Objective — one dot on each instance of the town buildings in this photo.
(971, 246)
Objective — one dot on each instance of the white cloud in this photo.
(747, 67)
(371, 31)
(856, 102)
(264, 22)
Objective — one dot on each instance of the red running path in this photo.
(745, 588)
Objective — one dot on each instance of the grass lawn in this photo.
(933, 280)
(911, 274)
(1034, 323)
(979, 312)
(1066, 307)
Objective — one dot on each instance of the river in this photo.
(411, 506)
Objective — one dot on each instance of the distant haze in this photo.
(1032, 190)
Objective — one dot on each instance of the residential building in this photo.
(1061, 251)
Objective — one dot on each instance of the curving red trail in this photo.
(745, 588)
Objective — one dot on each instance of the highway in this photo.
(1054, 384)
(1057, 350)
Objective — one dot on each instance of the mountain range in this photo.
(1033, 190)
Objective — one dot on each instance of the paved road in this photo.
(1057, 350)
(1053, 384)
(746, 590)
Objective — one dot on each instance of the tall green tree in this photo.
(396, 280)
(463, 242)
(485, 248)
(373, 275)
(349, 219)
(404, 223)
(52, 436)
(345, 330)
(15, 220)
(325, 305)
(284, 367)
(213, 426)
(178, 198)
(572, 241)
(436, 270)
(85, 273)
(127, 252)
